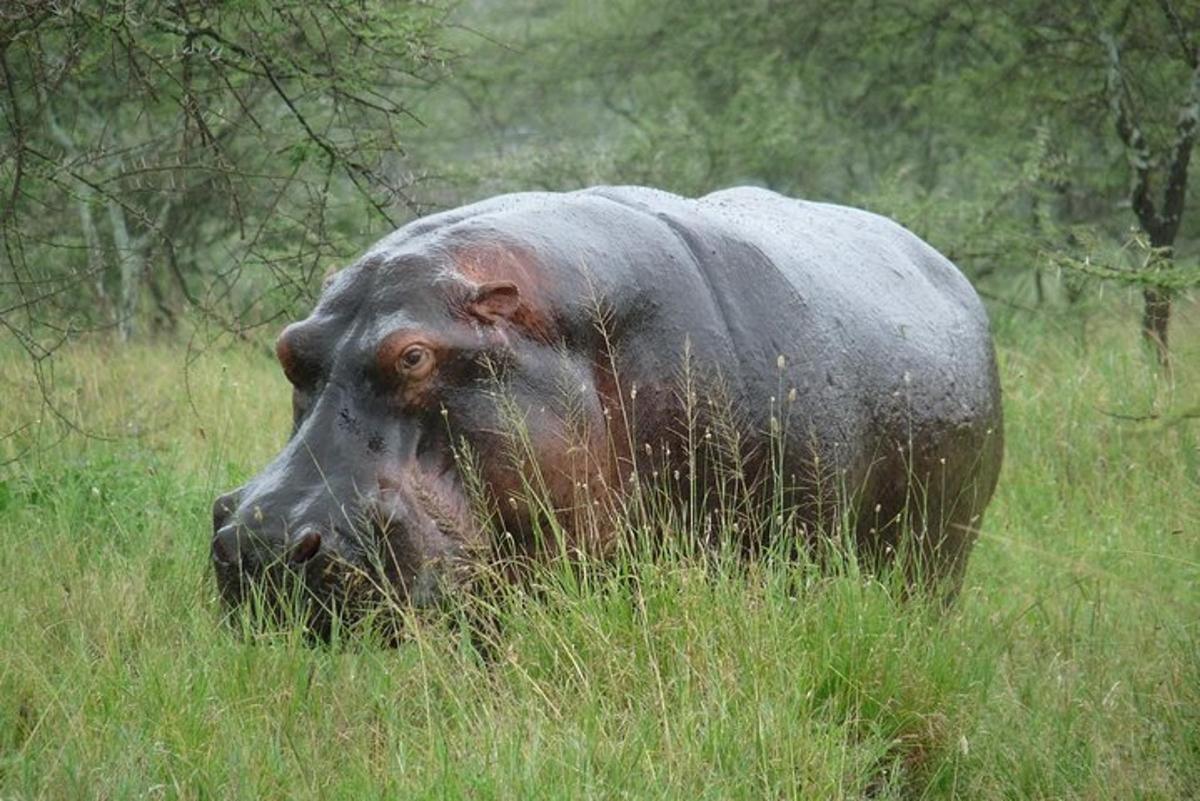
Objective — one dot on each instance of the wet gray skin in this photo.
(576, 314)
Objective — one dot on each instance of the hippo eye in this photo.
(415, 361)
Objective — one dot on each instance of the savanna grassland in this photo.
(1070, 667)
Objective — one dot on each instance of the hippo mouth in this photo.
(408, 546)
(283, 594)
(425, 541)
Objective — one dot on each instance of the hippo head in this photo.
(413, 358)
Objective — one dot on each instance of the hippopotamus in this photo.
(507, 380)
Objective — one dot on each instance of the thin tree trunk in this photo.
(1156, 316)
(91, 239)
(1156, 300)
(95, 253)
(127, 260)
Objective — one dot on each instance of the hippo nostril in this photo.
(305, 546)
(226, 548)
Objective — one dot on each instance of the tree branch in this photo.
(18, 133)
(1190, 53)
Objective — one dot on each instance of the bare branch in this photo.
(354, 170)
(1190, 54)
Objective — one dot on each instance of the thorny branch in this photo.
(230, 166)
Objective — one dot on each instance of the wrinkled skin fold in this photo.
(572, 346)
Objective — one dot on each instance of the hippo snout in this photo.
(404, 542)
(224, 507)
(254, 546)
(234, 545)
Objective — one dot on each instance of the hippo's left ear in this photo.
(494, 301)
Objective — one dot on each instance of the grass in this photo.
(1070, 667)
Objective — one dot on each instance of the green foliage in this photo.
(985, 129)
(163, 162)
(215, 158)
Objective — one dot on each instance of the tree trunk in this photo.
(91, 239)
(1156, 300)
(128, 260)
(1156, 316)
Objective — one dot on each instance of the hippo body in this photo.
(619, 328)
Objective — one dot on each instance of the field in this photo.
(1070, 667)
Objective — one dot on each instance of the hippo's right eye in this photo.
(416, 361)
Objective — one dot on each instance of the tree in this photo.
(1168, 162)
(985, 128)
(199, 156)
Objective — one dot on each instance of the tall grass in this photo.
(1069, 668)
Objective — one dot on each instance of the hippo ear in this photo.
(494, 301)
